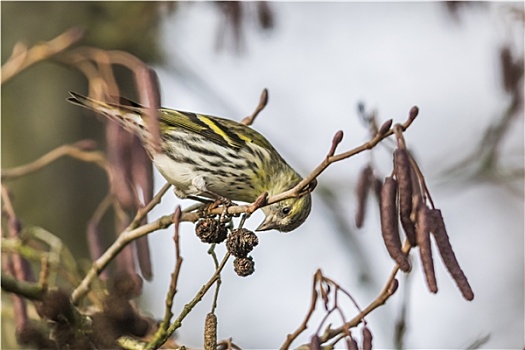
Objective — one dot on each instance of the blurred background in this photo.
(460, 63)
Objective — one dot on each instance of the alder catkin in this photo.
(389, 224)
(210, 332)
(367, 339)
(447, 254)
(315, 343)
(210, 230)
(244, 266)
(241, 242)
(423, 241)
(403, 171)
(377, 185)
(361, 192)
(351, 344)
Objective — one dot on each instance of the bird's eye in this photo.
(286, 210)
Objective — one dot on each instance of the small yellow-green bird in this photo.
(210, 156)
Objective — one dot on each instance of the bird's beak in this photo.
(267, 224)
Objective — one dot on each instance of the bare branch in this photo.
(163, 334)
(23, 57)
(80, 150)
(29, 290)
(175, 275)
(389, 289)
(423, 227)
(263, 101)
(122, 241)
(335, 158)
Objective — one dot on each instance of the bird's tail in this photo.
(128, 114)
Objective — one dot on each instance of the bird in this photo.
(213, 157)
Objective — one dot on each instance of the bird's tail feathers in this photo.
(127, 114)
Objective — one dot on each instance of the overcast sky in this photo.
(318, 62)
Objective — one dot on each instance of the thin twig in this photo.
(263, 101)
(16, 245)
(339, 288)
(131, 233)
(76, 150)
(61, 261)
(93, 233)
(211, 251)
(44, 273)
(142, 212)
(122, 241)
(421, 179)
(295, 191)
(175, 275)
(96, 66)
(163, 334)
(23, 57)
(380, 300)
(338, 333)
(31, 291)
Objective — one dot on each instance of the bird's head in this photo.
(286, 215)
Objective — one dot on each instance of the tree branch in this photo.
(22, 57)
(81, 150)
